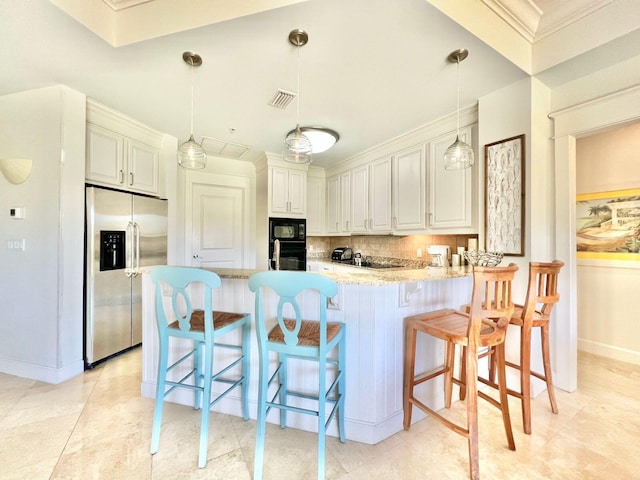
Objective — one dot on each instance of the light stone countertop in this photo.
(351, 275)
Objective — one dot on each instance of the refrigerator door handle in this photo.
(129, 270)
(136, 230)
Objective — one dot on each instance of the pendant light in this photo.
(459, 155)
(190, 153)
(297, 146)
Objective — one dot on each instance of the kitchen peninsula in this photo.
(373, 304)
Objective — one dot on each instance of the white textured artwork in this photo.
(504, 220)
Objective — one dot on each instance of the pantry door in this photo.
(217, 226)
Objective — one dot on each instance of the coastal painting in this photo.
(608, 225)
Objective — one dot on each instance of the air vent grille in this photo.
(222, 148)
(282, 99)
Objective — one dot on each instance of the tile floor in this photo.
(97, 426)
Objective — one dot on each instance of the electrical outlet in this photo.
(419, 253)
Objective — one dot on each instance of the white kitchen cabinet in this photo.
(409, 196)
(315, 205)
(338, 203)
(450, 191)
(371, 197)
(288, 192)
(121, 152)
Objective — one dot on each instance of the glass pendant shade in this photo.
(297, 141)
(192, 155)
(458, 156)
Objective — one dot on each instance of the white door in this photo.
(217, 219)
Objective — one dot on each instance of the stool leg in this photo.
(198, 375)
(546, 359)
(471, 383)
(409, 366)
(246, 348)
(504, 396)
(342, 383)
(525, 377)
(206, 409)
(463, 373)
(450, 352)
(282, 377)
(263, 380)
(322, 398)
(159, 402)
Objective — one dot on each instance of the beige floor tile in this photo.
(97, 426)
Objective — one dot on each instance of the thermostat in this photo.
(16, 212)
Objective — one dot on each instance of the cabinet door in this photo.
(345, 201)
(450, 191)
(105, 156)
(279, 190)
(409, 179)
(297, 190)
(359, 199)
(315, 206)
(380, 196)
(143, 164)
(333, 204)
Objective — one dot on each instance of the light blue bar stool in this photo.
(176, 290)
(294, 338)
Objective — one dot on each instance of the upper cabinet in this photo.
(315, 201)
(121, 153)
(409, 179)
(450, 192)
(371, 197)
(281, 188)
(339, 203)
(288, 192)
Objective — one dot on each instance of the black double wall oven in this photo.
(289, 252)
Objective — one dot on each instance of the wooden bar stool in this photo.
(484, 326)
(542, 295)
(292, 337)
(203, 328)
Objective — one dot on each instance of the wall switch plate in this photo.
(419, 253)
(16, 212)
(16, 244)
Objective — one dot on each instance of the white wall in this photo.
(41, 287)
(607, 312)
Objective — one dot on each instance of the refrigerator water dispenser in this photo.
(112, 249)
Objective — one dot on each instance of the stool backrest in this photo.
(287, 285)
(492, 298)
(542, 292)
(183, 284)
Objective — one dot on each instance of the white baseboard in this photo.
(609, 351)
(41, 372)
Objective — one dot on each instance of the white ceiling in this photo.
(372, 70)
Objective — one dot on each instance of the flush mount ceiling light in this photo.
(459, 155)
(190, 153)
(297, 146)
(321, 138)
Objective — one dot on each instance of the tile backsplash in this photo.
(404, 247)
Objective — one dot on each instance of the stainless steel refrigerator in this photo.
(124, 232)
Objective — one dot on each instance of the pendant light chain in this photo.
(298, 102)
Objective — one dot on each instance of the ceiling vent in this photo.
(282, 99)
(221, 148)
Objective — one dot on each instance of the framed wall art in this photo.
(504, 196)
(608, 225)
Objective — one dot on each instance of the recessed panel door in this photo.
(218, 225)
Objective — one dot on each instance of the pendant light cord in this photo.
(191, 99)
(458, 99)
(298, 102)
